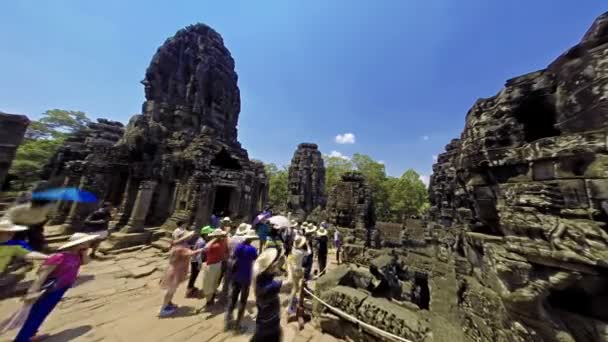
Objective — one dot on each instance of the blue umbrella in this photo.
(65, 194)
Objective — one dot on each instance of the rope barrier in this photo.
(354, 319)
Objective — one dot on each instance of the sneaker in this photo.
(166, 311)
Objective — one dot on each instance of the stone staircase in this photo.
(5, 202)
(161, 239)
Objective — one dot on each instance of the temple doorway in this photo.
(221, 204)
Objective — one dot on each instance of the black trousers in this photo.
(259, 336)
(195, 269)
(322, 262)
(237, 289)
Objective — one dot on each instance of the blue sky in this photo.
(399, 75)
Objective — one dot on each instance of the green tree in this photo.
(278, 192)
(407, 195)
(335, 167)
(375, 176)
(42, 139)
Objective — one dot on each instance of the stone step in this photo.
(164, 244)
(4, 206)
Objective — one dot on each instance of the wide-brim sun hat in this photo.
(7, 226)
(265, 260)
(78, 239)
(185, 235)
(250, 235)
(299, 241)
(321, 232)
(310, 229)
(242, 229)
(217, 233)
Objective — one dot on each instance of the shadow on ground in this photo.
(69, 334)
(83, 279)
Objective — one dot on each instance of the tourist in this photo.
(226, 225)
(244, 257)
(55, 276)
(34, 215)
(337, 244)
(216, 253)
(215, 221)
(177, 271)
(196, 262)
(97, 224)
(268, 320)
(10, 249)
(262, 229)
(322, 246)
(233, 242)
(309, 233)
(296, 271)
(288, 237)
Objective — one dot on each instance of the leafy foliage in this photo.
(42, 139)
(394, 198)
(335, 167)
(278, 192)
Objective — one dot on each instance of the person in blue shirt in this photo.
(215, 221)
(244, 256)
(263, 230)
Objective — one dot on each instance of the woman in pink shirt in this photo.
(55, 276)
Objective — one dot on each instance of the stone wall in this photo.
(517, 242)
(13, 129)
(350, 203)
(526, 184)
(180, 159)
(306, 181)
(103, 133)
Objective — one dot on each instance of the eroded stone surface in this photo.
(350, 203)
(13, 129)
(178, 160)
(515, 244)
(306, 181)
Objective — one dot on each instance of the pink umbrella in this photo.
(260, 218)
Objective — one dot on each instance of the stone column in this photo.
(126, 205)
(235, 202)
(95, 181)
(203, 211)
(140, 207)
(63, 208)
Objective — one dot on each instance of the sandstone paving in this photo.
(106, 307)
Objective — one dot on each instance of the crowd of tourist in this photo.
(235, 258)
(231, 259)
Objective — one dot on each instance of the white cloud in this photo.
(381, 162)
(425, 137)
(434, 157)
(425, 179)
(338, 155)
(346, 138)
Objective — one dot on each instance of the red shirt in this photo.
(216, 252)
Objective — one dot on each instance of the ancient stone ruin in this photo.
(517, 245)
(180, 159)
(306, 183)
(350, 203)
(13, 129)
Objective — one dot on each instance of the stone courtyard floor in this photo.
(118, 300)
